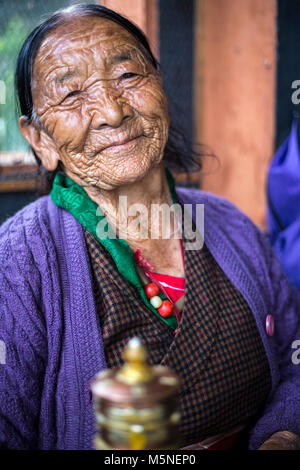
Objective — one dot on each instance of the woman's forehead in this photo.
(85, 37)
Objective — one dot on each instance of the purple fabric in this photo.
(283, 216)
(50, 328)
(283, 184)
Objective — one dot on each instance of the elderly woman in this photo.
(95, 114)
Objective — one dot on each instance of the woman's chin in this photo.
(127, 176)
(115, 183)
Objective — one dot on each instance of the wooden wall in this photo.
(235, 75)
(144, 13)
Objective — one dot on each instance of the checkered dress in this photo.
(218, 353)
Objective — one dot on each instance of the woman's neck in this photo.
(130, 209)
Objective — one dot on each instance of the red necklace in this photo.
(165, 308)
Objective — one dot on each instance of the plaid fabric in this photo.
(218, 353)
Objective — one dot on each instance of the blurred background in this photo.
(228, 68)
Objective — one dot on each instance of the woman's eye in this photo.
(72, 93)
(128, 75)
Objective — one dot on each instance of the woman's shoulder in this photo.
(27, 213)
(26, 229)
(194, 195)
(226, 225)
(215, 207)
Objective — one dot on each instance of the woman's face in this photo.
(100, 104)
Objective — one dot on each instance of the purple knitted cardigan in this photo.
(52, 337)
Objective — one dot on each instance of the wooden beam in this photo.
(235, 73)
(18, 185)
(144, 13)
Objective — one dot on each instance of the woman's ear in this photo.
(40, 142)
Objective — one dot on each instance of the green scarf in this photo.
(72, 197)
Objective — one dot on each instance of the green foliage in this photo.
(11, 39)
(17, 19)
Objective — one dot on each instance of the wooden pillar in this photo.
(235, 71)
(144, 13)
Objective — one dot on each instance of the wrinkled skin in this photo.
(282, 440)
(100, 104)
(103, 113)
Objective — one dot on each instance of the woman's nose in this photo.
(109, 111)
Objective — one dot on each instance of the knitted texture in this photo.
(51, 332)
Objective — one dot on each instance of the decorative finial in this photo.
(135, 370)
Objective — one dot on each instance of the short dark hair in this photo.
(179, 155)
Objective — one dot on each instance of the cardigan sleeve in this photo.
(282, 411)
(22, 347)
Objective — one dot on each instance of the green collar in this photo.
(72, 197)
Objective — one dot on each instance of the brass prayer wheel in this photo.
(136, 406)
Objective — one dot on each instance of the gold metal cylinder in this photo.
(136, 406)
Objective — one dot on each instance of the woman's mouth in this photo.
(121, 146)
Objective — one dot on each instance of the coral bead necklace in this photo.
(152, 289)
